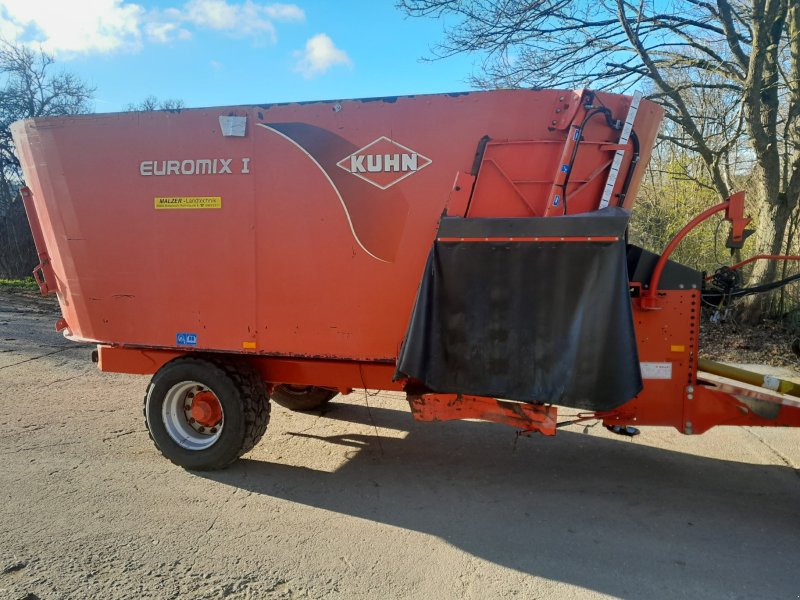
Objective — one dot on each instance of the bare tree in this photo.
(29, 87)
(153, 103)
(724, 70)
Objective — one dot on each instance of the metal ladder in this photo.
(623, 141)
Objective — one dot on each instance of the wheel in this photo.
(203, 414)
(302, 397)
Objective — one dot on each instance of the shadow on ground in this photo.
(612, 516)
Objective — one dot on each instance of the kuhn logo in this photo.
(384, 162)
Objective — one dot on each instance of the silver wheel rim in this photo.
(178, 422)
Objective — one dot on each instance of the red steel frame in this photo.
(667, 326)
(734, 212)
(741, 264)
(93, 238)
(667, 336)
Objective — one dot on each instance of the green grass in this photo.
(19, 284)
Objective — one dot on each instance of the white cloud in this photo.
(102, 26)
(9, 30)
(214, 14)
(97, 26)
(285, 12)
(165, 32)
(320, 54)
(246, 19)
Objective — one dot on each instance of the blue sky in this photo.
(219, 52)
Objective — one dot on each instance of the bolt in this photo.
(188, 407)
(558, 110)
(192, 420)
(688, 428)
(201, 429)
(690, 396)
(554, 122)
(213, 430)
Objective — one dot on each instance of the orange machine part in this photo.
(449, 407)
(206, 409)
(316, 221)
(316, 218)
(667, 342)
(524, 178)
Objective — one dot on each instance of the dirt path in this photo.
(364, 503)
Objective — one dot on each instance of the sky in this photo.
(227, 52)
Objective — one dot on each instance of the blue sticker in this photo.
(555, 202)
(577, 135)
(565, 168)
(186, 339)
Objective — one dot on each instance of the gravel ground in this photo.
(362, 502)
(768, 343)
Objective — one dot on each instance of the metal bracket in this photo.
(450, 407)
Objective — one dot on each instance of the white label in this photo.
(384, 162)
(200, 166)
(233, 126)
(656, 370)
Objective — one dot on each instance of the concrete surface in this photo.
(364, 503)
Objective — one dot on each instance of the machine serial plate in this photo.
(656, 370)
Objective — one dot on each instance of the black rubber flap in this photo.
(531, 321)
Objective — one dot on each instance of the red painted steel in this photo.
(316, 221)
(449, 407)
(338, 374)
(303, 257)
(598, 239)
(741, 264)
(206, 409)
(43, 273)
(734, 212)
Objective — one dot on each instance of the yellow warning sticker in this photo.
(188, 202)
(249, 345)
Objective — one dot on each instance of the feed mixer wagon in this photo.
(467, 249)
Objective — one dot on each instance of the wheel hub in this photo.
(193, 415)
(206, 409)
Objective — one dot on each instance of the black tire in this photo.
(242, 395)
(302, 398)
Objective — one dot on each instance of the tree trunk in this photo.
(775, 210)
